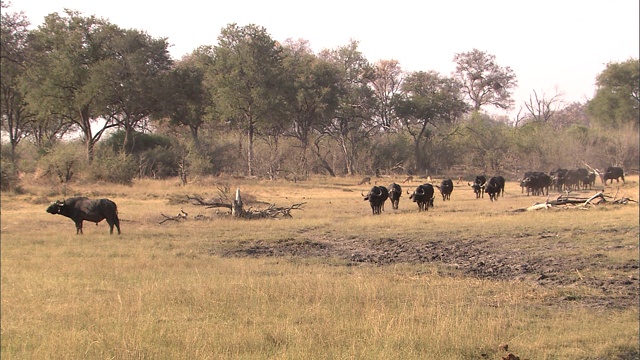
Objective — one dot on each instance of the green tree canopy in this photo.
(484, 82)
(247, 80)
(13, 58)
(617, 99)
(129, 80)
(190, 103)
(314, 93)
(353, 119)
(64, 53)
(428, 100)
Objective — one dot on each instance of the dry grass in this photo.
(167, 291)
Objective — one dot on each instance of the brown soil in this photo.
(480, 258)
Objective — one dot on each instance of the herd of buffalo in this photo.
(80, 209)
(534, 182)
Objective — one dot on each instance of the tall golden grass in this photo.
(165, 292)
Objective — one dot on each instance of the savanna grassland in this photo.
(332, 282)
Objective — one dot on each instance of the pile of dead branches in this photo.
(566, 201)
(182, 215)
(272, 211)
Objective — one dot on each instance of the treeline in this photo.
(84, 97)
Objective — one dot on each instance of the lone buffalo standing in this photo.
(79, 209)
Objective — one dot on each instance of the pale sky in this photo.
(551, 45)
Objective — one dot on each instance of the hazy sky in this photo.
(551, 45)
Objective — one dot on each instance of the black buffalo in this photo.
(589, 181)
(480, 180)
(478, 185)
(573, 179)
(376, 197)
(446, 188)
(612, 173)
(581, 174)
(523, 182)
(79, 209)
(477, 189)
(423, 196)
(495, 187)
(559, 178)
(536, 183)
(395, 191)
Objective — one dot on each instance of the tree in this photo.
(428, 100)
(484, 82)
(574, 113)
(486, 141)
(64, 53)
(387, 84)
(543, 109)
(352, 121)
(13, 58)
(314, 94)
(129, 81)
(190, 103)
(617, 99)
(247, 80)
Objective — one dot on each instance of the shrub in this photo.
(113, 167)
(9, 178)
(63, 161)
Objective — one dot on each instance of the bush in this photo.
(113, 167)
(63, 161)
(392, 154)
(9, 180)
(158, 163)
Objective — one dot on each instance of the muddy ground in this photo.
(497, 259)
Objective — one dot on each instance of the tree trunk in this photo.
(304, 162)
(348, 159)
(250, 150)
(324, 162)
(236, 205)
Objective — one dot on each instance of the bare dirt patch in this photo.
(615, 285)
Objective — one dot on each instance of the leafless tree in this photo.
(543, 109)
(387, 82)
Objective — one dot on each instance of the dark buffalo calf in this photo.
(79, 209)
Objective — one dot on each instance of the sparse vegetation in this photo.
(332, 282)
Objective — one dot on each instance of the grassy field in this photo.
(332, 282)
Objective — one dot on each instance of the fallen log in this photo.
(538, 207)
(597, 195)
(580, 202)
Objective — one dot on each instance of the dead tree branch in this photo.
(272, 211)
(578, 202)
(198, 200)
(181, 216)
